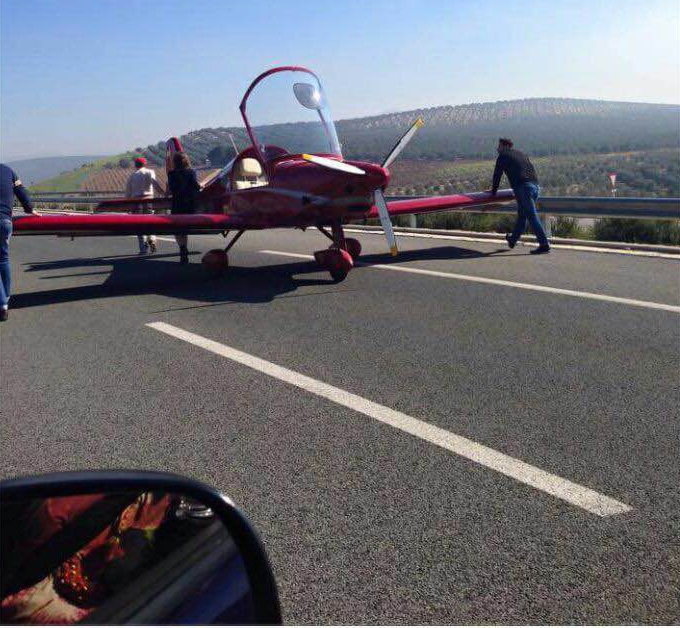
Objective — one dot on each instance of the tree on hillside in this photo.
(221, 155)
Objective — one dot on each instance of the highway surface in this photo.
(434, 440)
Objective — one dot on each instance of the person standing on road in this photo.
(524, 183)
(184, 189)
(141, 184)
(10, 185)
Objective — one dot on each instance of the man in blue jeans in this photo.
(524, 183)
(9, 186)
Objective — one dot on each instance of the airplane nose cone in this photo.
(377, 176)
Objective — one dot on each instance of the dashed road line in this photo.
(502, 282)
(575, 494)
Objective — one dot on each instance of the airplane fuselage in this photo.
(300, 193)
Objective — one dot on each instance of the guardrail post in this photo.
(545, 219)
(547, 224)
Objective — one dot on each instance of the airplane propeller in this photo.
(402, 143)
(383, 212)
(333, 164)
(385, 221)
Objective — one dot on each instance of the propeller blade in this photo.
(402, 143)
(333, 164)
(384, 215)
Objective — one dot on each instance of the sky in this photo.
(81, 77)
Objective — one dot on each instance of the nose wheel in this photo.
(353, 247)
(338, 259)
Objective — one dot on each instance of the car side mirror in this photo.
(129, 547)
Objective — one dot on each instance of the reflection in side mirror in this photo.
(139, 555)
(308, 95)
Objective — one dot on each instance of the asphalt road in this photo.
(364, 522)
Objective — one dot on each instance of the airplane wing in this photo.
(462, 202)
(132, 204)
(211, 188)
(125, 224)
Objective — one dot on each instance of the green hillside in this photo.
(542, 126)
(574, 142)
(71, 181)
(640, 173)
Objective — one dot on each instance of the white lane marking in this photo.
(570, 247)
(575, 494)
(502, 282)
(161, 238)
(439, 236)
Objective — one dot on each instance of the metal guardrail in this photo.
(76, 196)
(79, 192)
(590, 207)
(585, 207)
(608, 207)
(572, 206)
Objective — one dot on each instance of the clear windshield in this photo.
(288, 110)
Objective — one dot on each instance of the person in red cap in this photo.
(142, 184)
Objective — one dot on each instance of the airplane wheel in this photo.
(353, 247)
(216, 261)
(339, 275)
(336, 261)
(321, 257)
(339, 263)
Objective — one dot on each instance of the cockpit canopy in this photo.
(286, 112)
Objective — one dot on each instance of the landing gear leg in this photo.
(217, 260)
(336, 259)
(234, 240)
(352, 246)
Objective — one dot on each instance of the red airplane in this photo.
(268, 186)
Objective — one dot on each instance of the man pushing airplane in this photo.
(524, 183)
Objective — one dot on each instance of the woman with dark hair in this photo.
(184, 189)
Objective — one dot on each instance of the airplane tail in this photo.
(172, 146)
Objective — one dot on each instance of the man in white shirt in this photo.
(141, 184)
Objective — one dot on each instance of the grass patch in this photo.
(644, 231)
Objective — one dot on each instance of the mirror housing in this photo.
(308, 95)
(168, 599)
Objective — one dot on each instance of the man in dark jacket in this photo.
(524, 183)
(10, 185)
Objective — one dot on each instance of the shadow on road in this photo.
(452, 253)
(162, 275)
(132, 275)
